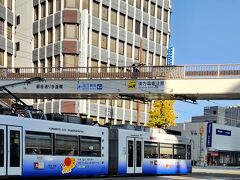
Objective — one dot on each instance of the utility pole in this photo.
(138, 103)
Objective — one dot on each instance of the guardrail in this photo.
(125, 72)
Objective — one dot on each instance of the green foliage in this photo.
(162, 114)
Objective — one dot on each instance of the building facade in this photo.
(221, 115)
(93, 33)
(212, 144)
(7, 24)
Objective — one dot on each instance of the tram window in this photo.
(66, 145)
(1, 147)
(179, 151)
(90, 146)
(151, 150)
(166, 151)
(14, 148)
(189, 152)
(38, 143)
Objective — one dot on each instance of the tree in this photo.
(162, 114)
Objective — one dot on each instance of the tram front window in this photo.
(14, 149)
(1, 148)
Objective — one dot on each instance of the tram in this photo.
(42, 148)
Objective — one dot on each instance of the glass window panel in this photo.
(151, 34)
(164, 39)
(95, 9)
(157, 60)
(159, 12)
(36, 11)
(90, 146)
(71, 4)
(9, 31)
(9, 60)
(137, 27)
(150, 58)
(104, 41)
(38, 143)
(50, 35)
(189, 152)
(144, 56)
(43, 9)
(114, 17)
(113, 45)
(166, 151)
(151, 150)
(129, 50)
(58, 5)
(14, 148)
(57, 33)
(2, 2)
(179, 151)
(35, 40)
(50, 7)
(136, 53)
(95, 38)
(144, 33)
(145, 6)
(158, 37)
(138, 4)
(105, 13)
(131, 2)
(121, 47)
(164, 61)
(42, 38)
(66, 145)
(2, 139)
(9, 4)
(122, 21)
(130, 24)
(85, 4)
(152, 9)
(165, 16)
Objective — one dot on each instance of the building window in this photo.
(130, 24)
(104, 41)
(137, 27)
(136, 53)
(131, 2)
(145, 6)
(164, 39)
(50, 35)
(151, 34)
(159, 12)
(95, 38)
(66, 145)
(42, 66)
(114, 17)
(113, 44)
(165, 16)
(9, 60)
(49, 64)
(50, 7)
(1, 57)
(158, 37)
(95, 9)
(9, 4)
(138, 4)
(105, 13)
(164, 61)
(85, 4)
(70, 60)
(144, 56)
(121, 47)
(57, 62)
(43, 9)
(35, 13)
(150, 58)
(18, 20)
(144, 33)
(43, 38)
(129, 50)
(1, 27)
(2, 2)
(71, 4)
(122, 21)
(35, 40)
(71, 31)
(17, 46)
(152, 9)
(57, 33)
(9, 31)
(157, 60)
(58, 5)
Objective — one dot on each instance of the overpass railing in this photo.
(124, 72)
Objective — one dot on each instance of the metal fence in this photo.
(125, 72)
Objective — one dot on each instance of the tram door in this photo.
(134, 155)
(2, 151)
(14, 150)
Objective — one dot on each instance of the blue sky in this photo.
(204, 32)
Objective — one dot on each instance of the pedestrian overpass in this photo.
(190, 82)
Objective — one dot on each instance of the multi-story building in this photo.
(220, 115)
(93, 33)
(7, 24)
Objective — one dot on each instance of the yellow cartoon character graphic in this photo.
(68, 164)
